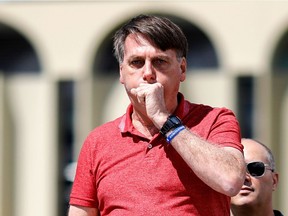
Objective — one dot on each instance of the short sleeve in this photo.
(226, 130)
(83, 190)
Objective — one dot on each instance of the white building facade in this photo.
(59, 80)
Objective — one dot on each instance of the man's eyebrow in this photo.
(134, 56)
(140, 56)
(162, 57)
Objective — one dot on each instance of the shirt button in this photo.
(150, 146)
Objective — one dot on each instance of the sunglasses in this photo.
(257, 169)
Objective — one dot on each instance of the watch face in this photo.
(175, 120)
(172, 122)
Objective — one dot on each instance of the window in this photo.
(245, 105)
(65, 140)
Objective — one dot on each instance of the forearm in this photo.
(82, 211)
(222, 168)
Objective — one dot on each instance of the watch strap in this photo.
(171, 122)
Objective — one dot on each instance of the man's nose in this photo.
(149, 74)
(247, 179)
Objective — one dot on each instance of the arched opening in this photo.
(17, 55)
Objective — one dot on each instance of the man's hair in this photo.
(270, 156)
(161, 31)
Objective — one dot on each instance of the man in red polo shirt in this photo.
(165, 156)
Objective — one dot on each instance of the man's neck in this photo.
(244, 211)
(144, 125)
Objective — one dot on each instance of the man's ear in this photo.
(275, 181)
(121, 79)
(183, 68)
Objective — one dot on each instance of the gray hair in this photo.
(163, 33)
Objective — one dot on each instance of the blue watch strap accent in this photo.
(174, 133)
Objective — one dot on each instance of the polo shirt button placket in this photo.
(150, 146)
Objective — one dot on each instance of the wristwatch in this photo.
(172, 122)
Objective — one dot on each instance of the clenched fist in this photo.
(151, 96)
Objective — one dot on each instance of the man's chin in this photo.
(242, 199)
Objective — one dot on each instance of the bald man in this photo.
(255, 196)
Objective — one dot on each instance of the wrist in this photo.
(173, 133)
(160, 120)
(171, 123)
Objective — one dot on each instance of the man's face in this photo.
(144, 63)
(256, 191)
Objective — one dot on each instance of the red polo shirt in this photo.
(121, 172)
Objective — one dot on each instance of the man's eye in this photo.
(159, 62)
(137, 63)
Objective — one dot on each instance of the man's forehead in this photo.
(254, 151)
(136, 46)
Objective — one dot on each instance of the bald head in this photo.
(254, 147)
(255, 196)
